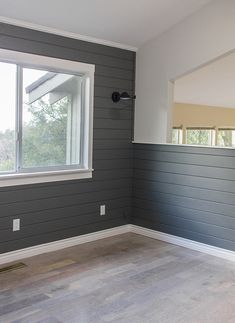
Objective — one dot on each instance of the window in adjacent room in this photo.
(45, 118)
(177, 135)
(200, 136)
(226, 137)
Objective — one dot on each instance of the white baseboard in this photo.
(190, 244)
(70, 242)
(61, 244)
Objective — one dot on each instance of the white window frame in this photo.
(180, 135)
(58, 65)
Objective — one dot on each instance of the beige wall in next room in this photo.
(191, 115)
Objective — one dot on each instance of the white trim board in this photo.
(70, 242)
(61, 244)
(50, 30)
(186, 243)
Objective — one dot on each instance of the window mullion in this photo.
(19, 111)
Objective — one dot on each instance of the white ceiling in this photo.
(129, 22)
(212, 85)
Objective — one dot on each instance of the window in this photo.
(177, 135)
(226, 137)
(46, 112)
(200, 136)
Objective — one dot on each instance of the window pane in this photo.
(226, 138)
(51, 119)
(200, 137)
(7, 116)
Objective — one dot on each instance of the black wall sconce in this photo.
(124, 96)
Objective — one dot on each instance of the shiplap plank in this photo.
(222, 185)
(191, 235)
(62, 192)
(112, 124)
(153, 208)
(122, 205)
(180, 190)
(47, 38)
(64, 233)
(50, 50)
(188, 224)
(62, 201)
(188, 169)
(113, 113)
(186, 158)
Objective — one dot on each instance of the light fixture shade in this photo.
(125, 96)
(116, 96)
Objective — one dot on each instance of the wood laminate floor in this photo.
(127, 278)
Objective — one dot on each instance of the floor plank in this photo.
(127, 278)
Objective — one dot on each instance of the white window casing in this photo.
(85, 101)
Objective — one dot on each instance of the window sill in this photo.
(44, 177)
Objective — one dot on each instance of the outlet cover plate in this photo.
(16, 224)
(102, 210)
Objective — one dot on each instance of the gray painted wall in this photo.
(186, 191)
(59, 210)
(183, 191)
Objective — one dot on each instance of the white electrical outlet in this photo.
(102, 210)
(16, 224)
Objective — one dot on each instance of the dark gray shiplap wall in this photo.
(60, 210)
(186, 191)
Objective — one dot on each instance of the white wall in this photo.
(201, 38)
